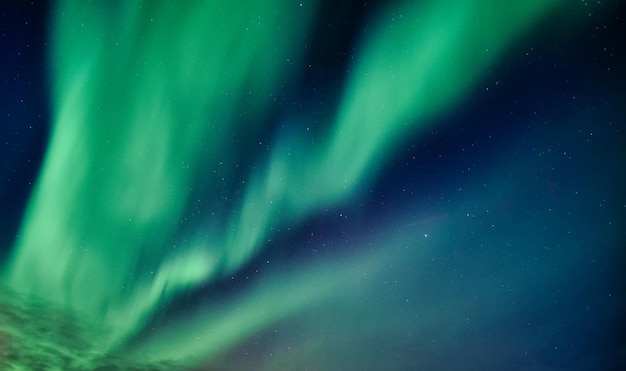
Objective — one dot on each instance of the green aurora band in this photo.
(146, 98)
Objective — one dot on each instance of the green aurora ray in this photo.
(146, 98)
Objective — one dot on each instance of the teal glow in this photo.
(147, 97)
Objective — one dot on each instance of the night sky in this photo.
(313, 185)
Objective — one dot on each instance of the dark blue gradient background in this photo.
(506, 223)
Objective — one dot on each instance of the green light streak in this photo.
(144, 96)
(420, 60)
(216, 327)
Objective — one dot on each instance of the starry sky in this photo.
(288, 185)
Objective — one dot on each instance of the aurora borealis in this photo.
(312, 185)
